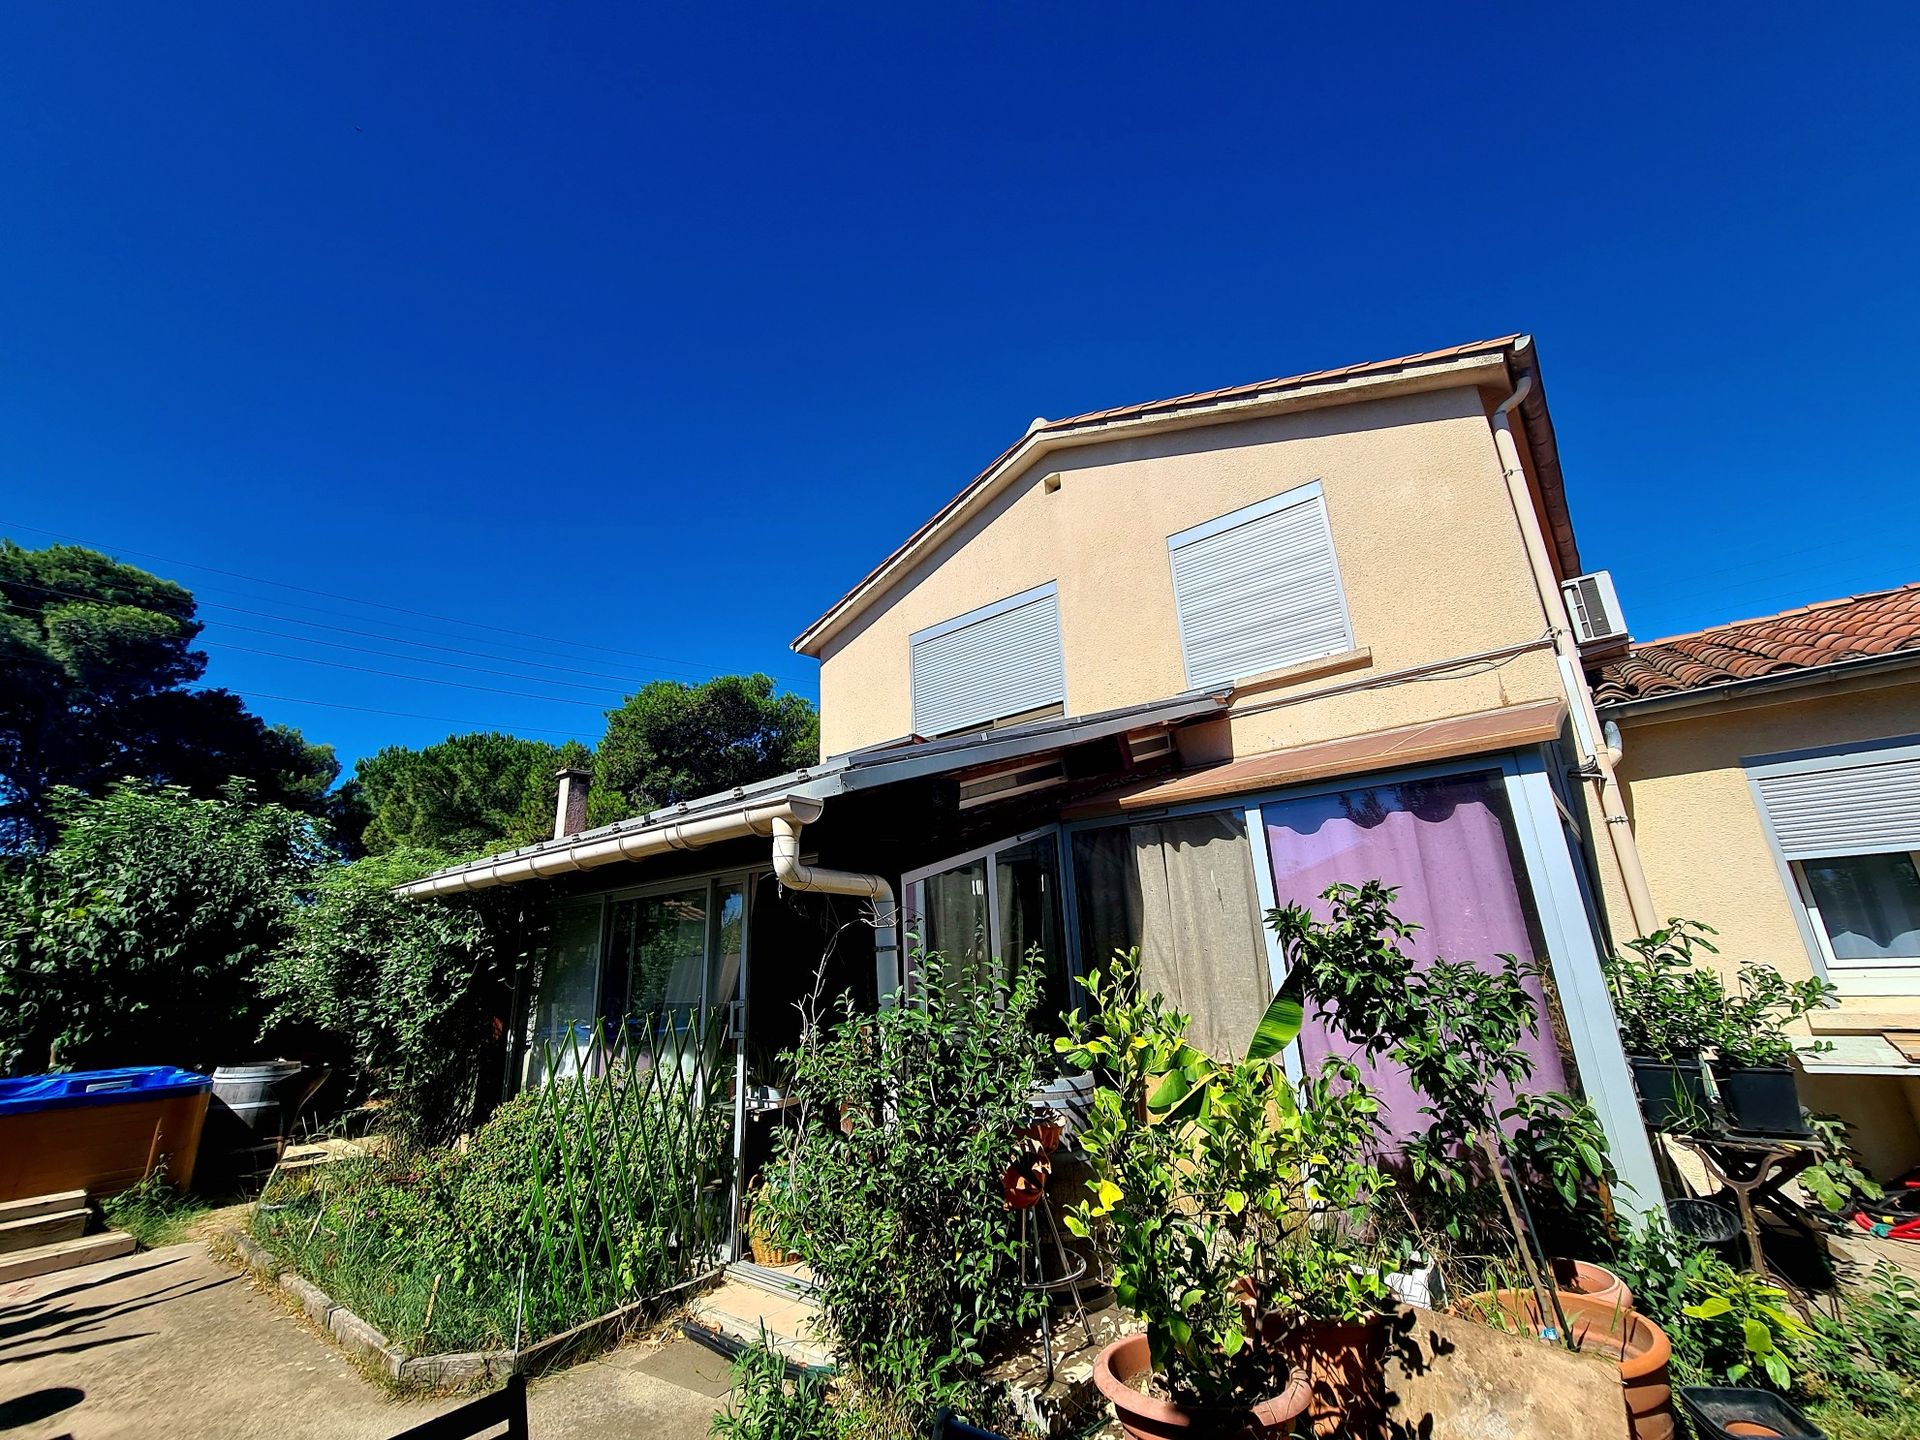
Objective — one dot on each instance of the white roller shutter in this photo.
(1003, 659)
(1846, 805)
(1259, 589)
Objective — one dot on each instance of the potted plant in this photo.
(1669, 1010)
(1639, 1345)
(1753, 1067)
(1223, 1238)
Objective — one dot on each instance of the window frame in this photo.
(1835, 964)
(1311, 493)
(1849, 977)
(912, 897)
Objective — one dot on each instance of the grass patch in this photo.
(1842, 1422)
(155, 1213)
(573, 1200)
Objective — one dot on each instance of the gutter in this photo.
(1599, 755)
(1801, 679)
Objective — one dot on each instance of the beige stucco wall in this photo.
(1701, 836)
(1429, 552)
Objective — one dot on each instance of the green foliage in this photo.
(1835, 1180)
(97, 656)
(765, 1405)
(889, 1185)
(1667, 1005)
(1458, 1032)
(153, 1212)
(599, 1191)
(411, 996)
(1229, 1204)
(139, 937)
(464, 795)
(1753, 1023)
(672, 741)
(1868, 1360)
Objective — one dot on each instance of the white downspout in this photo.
(1600, 756)
(790, 872)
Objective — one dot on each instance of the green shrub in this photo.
(139, 937)
(153, 1212)
(1868, 1360)
(765, 1405)
(414, 996)
(889, 1186)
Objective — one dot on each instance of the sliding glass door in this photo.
(984, 913)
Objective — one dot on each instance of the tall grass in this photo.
(604, 1186)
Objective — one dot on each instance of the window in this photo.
(1259, 589)
(992, 663)
(985, 911)
(1865, 907)
(1846, 823)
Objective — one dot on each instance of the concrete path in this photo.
(171, 1343)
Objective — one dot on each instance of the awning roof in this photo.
(745, 810)
(1474, 734)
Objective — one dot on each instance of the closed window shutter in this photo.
(1259, 592)
(1001, 660)
(1845, 810)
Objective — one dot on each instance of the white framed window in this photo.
(982, 912)
(1259, 589)
(999, 661)
(1845, 826)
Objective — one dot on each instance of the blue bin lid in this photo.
(97, 1087)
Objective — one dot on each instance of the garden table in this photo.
(1755, 1168)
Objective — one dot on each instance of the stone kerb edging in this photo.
(451, 1369)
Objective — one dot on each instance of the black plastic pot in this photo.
(1761, 1098)
(1723, 1413)
(1673, 1095)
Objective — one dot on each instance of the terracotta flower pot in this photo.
(1595, 1282)
(1344, 1363)
(1125, 1366)
(1636, 1342)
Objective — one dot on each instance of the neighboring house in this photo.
(1773, 771)
(1153, 671)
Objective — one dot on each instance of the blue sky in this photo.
(654, 328)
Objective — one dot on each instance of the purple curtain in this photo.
(1446, 844)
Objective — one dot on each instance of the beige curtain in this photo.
(1182, 890)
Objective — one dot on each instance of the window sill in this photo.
(1305, 670)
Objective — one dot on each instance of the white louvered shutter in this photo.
(1852, 809)
(1259, 589)
(1003, 659)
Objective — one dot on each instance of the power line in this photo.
(371, 710)
(351, 599)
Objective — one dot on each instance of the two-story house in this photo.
(1153, 671)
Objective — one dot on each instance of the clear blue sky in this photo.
(655, 328)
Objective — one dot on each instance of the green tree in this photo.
(97, 657)
(467, 793)
(672, 741)
(137, 937)
(409, 997)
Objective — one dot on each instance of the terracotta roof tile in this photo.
(1854, 628)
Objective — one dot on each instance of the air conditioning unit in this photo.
(1594, 608)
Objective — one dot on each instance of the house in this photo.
(1153, 671)
(1772, 769)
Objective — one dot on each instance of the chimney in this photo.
(570, 812)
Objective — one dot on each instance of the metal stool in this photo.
(1025, 1188)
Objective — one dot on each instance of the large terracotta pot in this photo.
(1636, 1342)
(1344, 1363)
(1595, 1282)
(1125, 1366)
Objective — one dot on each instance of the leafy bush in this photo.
(590, 1193)
(153, 1212)
(1869, 1358)
(1229, 1202)
(765, 1405)
(139, 937)
(1753, 1022)
(1668, 1007)
(413, 996)
(890, 1182)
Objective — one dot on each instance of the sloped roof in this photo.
(1857, 627)
(1517, 350)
